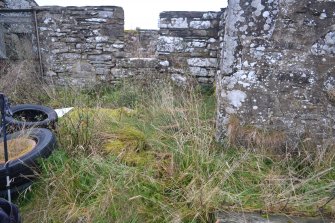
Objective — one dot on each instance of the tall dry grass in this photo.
(22, 83)
(160, 163)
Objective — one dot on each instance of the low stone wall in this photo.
(141, 43)
(277, 69)
(189, 40)
(140, 68)
(80, 45)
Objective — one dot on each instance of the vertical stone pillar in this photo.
(277, 68)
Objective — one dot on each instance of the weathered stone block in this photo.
(200, 24)
(106, 14)
(170, 44)
(70, 56)
(325, 45)
(97, 39)
(197, 43)
(82, 69)
(175, 23)
(202, 62)
(102, 57)
(211, 15)
(202, 72)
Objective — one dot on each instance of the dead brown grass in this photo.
(22, 83)
(253, 137)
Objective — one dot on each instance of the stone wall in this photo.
(141, 43)
(277, 69)
(140, 68)
(80, 45)
(17, 30)
(84, 46)
(189, 40)
(18, 4)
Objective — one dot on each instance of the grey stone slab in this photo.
(257, 218)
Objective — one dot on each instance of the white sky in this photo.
(144, 13)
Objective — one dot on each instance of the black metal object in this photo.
(5, 110)
(331, 197)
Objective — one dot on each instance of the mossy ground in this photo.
(148, 154)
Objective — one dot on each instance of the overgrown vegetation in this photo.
(21, 82)
(144, 152)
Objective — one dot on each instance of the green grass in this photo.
(157, 161)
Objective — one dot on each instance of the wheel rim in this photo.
(16, 148)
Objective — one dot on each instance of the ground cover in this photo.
(146, 153)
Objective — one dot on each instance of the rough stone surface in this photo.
(189, 40)
(80, 45)
(277, 67)
(16, 31)
(257, 218)
(140, 68)
(141, 43)
(19, 4)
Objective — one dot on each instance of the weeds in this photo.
(21, 82)
(157, 161)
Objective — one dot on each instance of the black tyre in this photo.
(15, 190)
(23, 161)
(31, 116)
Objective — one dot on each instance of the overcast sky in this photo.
(144, 13)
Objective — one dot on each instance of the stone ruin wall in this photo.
(277, 68)
(140, 59)
(17, 31)
(190, 42)
(141, 43)
(84, 46)
(17, 4)
(80, 45)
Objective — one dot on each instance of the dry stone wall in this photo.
(80, 45)
(140, 68)
(84, 46)
(141, 43)
(17, 30)
(189, 41)
(277, 68)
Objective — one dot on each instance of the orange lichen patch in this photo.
(16, 148)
